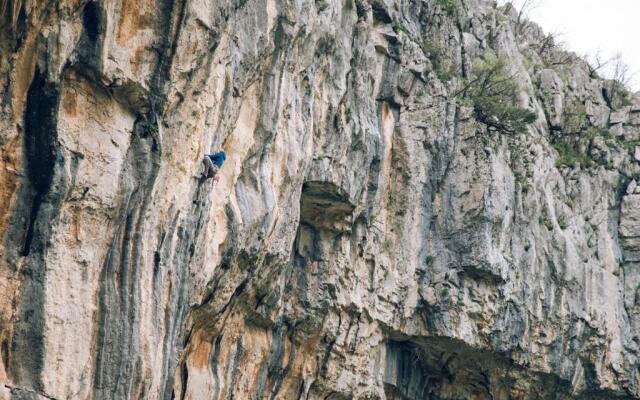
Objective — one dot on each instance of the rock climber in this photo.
(212, 164)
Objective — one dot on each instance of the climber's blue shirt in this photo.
(218, 158)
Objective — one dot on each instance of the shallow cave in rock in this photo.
(325, 206)
(446, 368)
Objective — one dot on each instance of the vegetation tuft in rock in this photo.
(491, 91)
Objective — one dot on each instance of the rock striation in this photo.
(373, 235)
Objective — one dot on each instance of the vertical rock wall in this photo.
(369, 237)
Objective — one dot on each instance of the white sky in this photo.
(589, 26)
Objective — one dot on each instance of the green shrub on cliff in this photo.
(492, 92)
(322, 5)
(443, 65)
(574, 117)
(449, 7)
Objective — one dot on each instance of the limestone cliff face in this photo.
(370, 237)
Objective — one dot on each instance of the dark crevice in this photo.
(21, 28)
(607, 97)
(282, 373)
(6, 96)
(156, 264)
(39, 204)
(35, 206)
(13, 26)
(271, 370)
(324, 365)
(40, 136)
(4, 352)
(174, 14)
(481, 273)
(91, 18)
(185, 378)
(89, 47)
(300, 390)
(187, 338)
(236, 293)
(361, 9)
(214, 365)
(234, 369)
(380, 14)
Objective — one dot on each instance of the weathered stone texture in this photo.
(369, 238)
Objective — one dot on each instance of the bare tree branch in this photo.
(596, 62)
(615, 88)
(524, 10)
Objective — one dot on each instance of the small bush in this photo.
(148, 128)
(449, 7)
(322, 5)
(562, 223)
(444, 69)
(570, 155)
(604, 133)
(398, 27)
(544, 221)
(429, 261)
(372, 219)
(388, 245)
(492, 92)
(619, 96)
(629, 145)
(443, 66)
(573, 149)
(574, 117)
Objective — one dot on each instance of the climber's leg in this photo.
(208, 168)
(214, 174)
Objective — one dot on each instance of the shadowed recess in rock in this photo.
(324, 205)
(26, 356)
(40, 145)
(13, 26)
(89, 47)
(438, 368)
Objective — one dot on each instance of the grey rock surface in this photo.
(370, 237)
